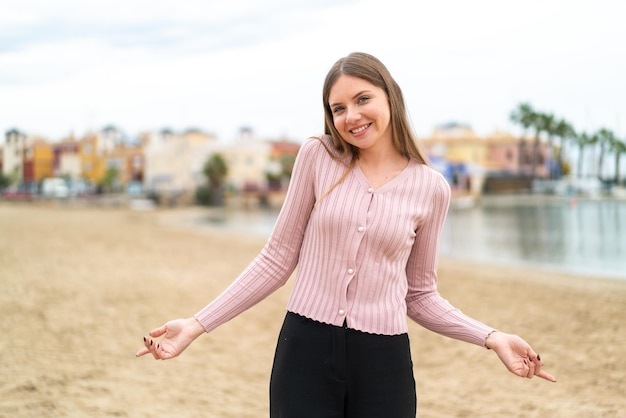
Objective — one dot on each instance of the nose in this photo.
(352, 116)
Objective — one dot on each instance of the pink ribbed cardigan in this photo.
(365, 256)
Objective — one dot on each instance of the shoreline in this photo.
(198, 217)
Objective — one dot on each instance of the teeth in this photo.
(361, 129)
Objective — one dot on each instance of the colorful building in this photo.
(38, 162)
(92, 163)
(469, 161)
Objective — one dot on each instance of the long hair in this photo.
(370, 69)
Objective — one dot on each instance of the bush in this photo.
(204, 196)
(5, 181)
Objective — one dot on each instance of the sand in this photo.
(80, 286)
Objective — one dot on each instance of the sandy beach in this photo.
(80, 286)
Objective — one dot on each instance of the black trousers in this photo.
(325, 371)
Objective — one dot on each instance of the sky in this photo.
(74, 66)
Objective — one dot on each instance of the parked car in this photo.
(55, 187)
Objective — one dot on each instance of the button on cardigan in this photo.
(367, 256)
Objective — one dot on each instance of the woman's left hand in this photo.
(517, 355)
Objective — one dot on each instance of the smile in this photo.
(360, 129)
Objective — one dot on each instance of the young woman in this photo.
(362, 221)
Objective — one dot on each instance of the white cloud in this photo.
(69, 65)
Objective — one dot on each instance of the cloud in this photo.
(70, 65)
(209, 25)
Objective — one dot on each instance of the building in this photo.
(248, 161)
(92, 163)
(38, 162)
(473, 164)
(460, 155)
(13, 153)
(258, 169)
(66, 159)
(174, 162)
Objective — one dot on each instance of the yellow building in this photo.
(457, 144)
(128, 161)
(92, 163)
(471, 162)
(460, 155)
(39, 161)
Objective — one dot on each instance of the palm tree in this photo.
(215, 169)
(546, 123)
(618, 148)
(523, 115)
(541, 122)
(583, 140)
(606, 138)
(565, 132)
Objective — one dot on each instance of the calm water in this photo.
(586, 237)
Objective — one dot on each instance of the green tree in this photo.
(110, 179)
(606, 138)
(215, 169)
(523, 115)
(544, 122)
(5, 181)
(565, 132)
(617, 147)
(287, 162)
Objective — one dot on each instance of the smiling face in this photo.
(360, 112)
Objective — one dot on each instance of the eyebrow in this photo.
(354, 97)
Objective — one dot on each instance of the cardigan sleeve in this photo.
(424, 303)
(277, 260)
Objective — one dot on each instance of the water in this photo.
(585, 237)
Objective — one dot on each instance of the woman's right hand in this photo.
(177, 335)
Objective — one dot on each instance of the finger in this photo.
(529, 368)
(157, 332)
(538, 364)
(150, 346)
(153, 349)
(142, 352)
(545, 375)
(161, 353)
(535, 358)
(145, 350)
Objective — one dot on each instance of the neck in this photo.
(381, 158)
(379, 168)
